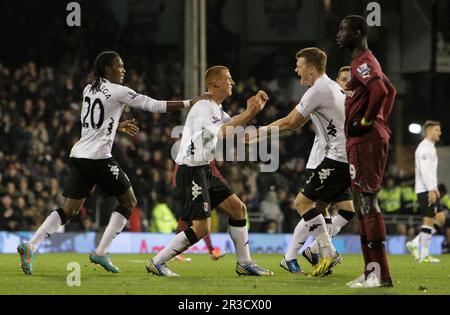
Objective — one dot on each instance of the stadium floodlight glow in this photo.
(415, 129)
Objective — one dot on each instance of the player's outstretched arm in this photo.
(255, 104)
(175, 105)
(287, 124)
(127, 96)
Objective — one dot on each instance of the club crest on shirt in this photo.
(364, 71)
(133, 95)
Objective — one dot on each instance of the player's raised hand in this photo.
(253, 105)
(206, 96)
(129, 127)
(262, 98)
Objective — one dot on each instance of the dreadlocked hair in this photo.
(102, 61)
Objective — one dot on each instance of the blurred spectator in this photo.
(26, 192)
(446, 243)
(271, 210)
(163, 220)
(270, 226)
(390, 197)
(290, 213)
(134, 221)
(402, 229)
(11, 218)
(285, 86)
(236, 180)
(409, 198)
(87, 224)
(445, 198)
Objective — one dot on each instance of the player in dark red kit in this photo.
(367, 110)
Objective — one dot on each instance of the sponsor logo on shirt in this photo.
(110, 127)
(215, 120)
(331, 129)
(364, 71)
(133, 95)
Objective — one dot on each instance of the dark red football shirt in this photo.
(365, 70)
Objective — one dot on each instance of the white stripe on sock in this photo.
(298, 239)
(50, 226)
(177, 245)
(318, 229)
(116, 224)
(425, 240)
(239, 235)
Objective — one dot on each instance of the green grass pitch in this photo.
(204, 276)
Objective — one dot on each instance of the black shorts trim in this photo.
(85, 173)
(329, 182)
(427, 210)
(197, 191)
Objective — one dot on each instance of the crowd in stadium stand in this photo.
(40, 108)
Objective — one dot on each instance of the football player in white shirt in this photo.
(334, 223)
(197, 188)
(323, 103)
(91, 161)
(427, 191)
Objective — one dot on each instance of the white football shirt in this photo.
(324, 103)
(316, 156)
(200, 133)
(426, 167)
(100, 115)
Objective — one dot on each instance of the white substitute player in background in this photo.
(91, 162)
(427, 191)
(197, 188)
(323, 103)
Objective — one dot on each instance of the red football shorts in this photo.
(367, 164)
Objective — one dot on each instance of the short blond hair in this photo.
(429, 124)
(213, 73)
(314, 56)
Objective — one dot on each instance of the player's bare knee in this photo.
(201, 230)
(428, 221)
(129, 201)
(297, 203)
(72, 207)
(439, 219)
(133, 202)
(303, 204)
(242, 211)
(70, 212)
(346, 205)
(322, 207)
(204, 232)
